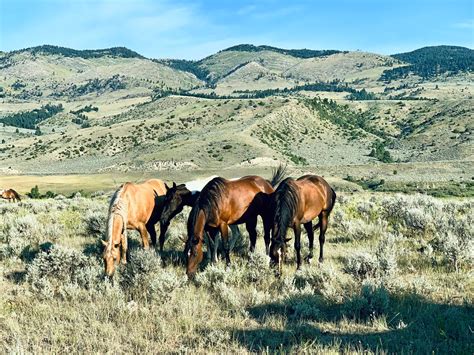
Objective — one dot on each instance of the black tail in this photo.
(278, 174)
(333, 202)
(285, 204)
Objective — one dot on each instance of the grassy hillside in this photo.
(243, 106)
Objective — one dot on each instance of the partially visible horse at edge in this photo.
(224, 202)
(10, 195)
(133, 206)
(297, 202)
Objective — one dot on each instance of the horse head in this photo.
(176, 198)
(112, 255)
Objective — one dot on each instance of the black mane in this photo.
(208, 202)
(286, 204)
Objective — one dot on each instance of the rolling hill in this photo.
(243, 106)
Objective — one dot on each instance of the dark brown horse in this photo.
(224, 202)
(298, 202)
(178, 196)
(133, 206)
(10, 195)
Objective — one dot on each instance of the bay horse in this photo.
(224, 202)
(297, 202)
(10, 195)
(179, 196)
(133, 206)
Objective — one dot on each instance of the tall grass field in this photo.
(397, 278)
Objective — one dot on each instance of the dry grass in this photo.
(414, 301)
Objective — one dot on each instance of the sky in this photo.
(194, 29)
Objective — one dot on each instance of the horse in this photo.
(133, 206)
(10, 195)
(297, 202)
(178, 196)
(224, 202)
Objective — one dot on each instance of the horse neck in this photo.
(191, 198)
(196, 223)
(117, 222)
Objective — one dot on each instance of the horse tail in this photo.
(118, 209)
(286, 203)
(278, 174)
(329, 210)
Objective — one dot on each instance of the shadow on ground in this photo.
(414, 326)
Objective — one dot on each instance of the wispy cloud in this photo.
(469, 24)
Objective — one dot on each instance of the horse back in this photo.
(316, 195)
(261, 184)
(239, 195)
(142, 200)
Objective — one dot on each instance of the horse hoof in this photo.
(321, 260)
(309, 258)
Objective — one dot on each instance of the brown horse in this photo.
(224, 202)
(297, 202)
(10, 195)
(133, 206)
(178, 196)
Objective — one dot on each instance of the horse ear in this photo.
(166, 186)
(104, 243)
(174, 185)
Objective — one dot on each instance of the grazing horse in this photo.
(179, 196)
(133, 206)
(10, 195)
(297, 202)
(224, 202)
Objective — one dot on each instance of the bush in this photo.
(382, 263)
(16, 234)
(34, 192)
(258, 268)
(361, 265)
(96, 222)
(372, 301)
(58, 267)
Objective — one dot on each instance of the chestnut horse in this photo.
(224, 202)
(133, 206)
(297, 202)
(10, 195)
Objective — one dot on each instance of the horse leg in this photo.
(144, 235)
(251, 227)
(125, 252)
(267, 227)
(212, 244)
(323, 221)
(297, 230)
(163, 230)
(309, 230)
(224, 228)
(152, 232)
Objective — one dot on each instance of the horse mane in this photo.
(207, 201)
(118, 207)
(286, 204)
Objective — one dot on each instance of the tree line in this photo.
(30, 119)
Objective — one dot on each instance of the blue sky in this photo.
(195, 29)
